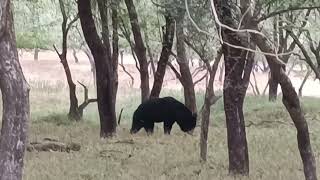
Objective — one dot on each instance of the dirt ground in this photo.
(49, 70)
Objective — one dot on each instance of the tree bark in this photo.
(15, 97)
(140, 50)
(103, 64)
(167, 43)
(186, 77)
(273, 88)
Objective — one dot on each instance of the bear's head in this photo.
(137, 124)
(189, 123)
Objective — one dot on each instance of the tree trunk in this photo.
(140, 50)
(291, 101)
(73, 109)
(186, 77)
(151, 59)
(36, 54)
(168, 36)
(15, 97)
(210, 99)
(273, 88)
(104, 70)
(115, 48)
(238, 67)
(234, 91)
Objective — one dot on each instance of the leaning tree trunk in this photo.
(291, 101)
(140, 50)
(15, 99)
(104, 70)
(209, 100)
(186, 77)
(167, 43)
(273, 88)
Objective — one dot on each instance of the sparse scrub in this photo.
(273, 149)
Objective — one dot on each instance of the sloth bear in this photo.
(167, 110)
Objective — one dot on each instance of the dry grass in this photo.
(273, 148)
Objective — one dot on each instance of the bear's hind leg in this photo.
(149, 128)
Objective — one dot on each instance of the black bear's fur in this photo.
(167, 110)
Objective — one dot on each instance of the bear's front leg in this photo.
(167, 126)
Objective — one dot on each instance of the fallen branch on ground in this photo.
(53, 145)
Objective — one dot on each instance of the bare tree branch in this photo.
(131, 77)
(175, 71)
(55, 48)
(199, 80)
(265, 17)
(86, 100)
(72, 22)
(305, 53)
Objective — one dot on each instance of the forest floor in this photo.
(271, 136)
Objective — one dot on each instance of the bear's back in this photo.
(176, 105)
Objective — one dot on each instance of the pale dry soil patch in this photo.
(50, 71)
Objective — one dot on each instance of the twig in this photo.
(86, 100)
(127, 72)
(119, 119)
(264, 17)
(175, 71)
(199, 80)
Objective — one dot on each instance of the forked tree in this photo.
(139, 49)
(290, 98)
(106, 60)
(186, 77)
(75, 110)
(167, 44)
(15, 98)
